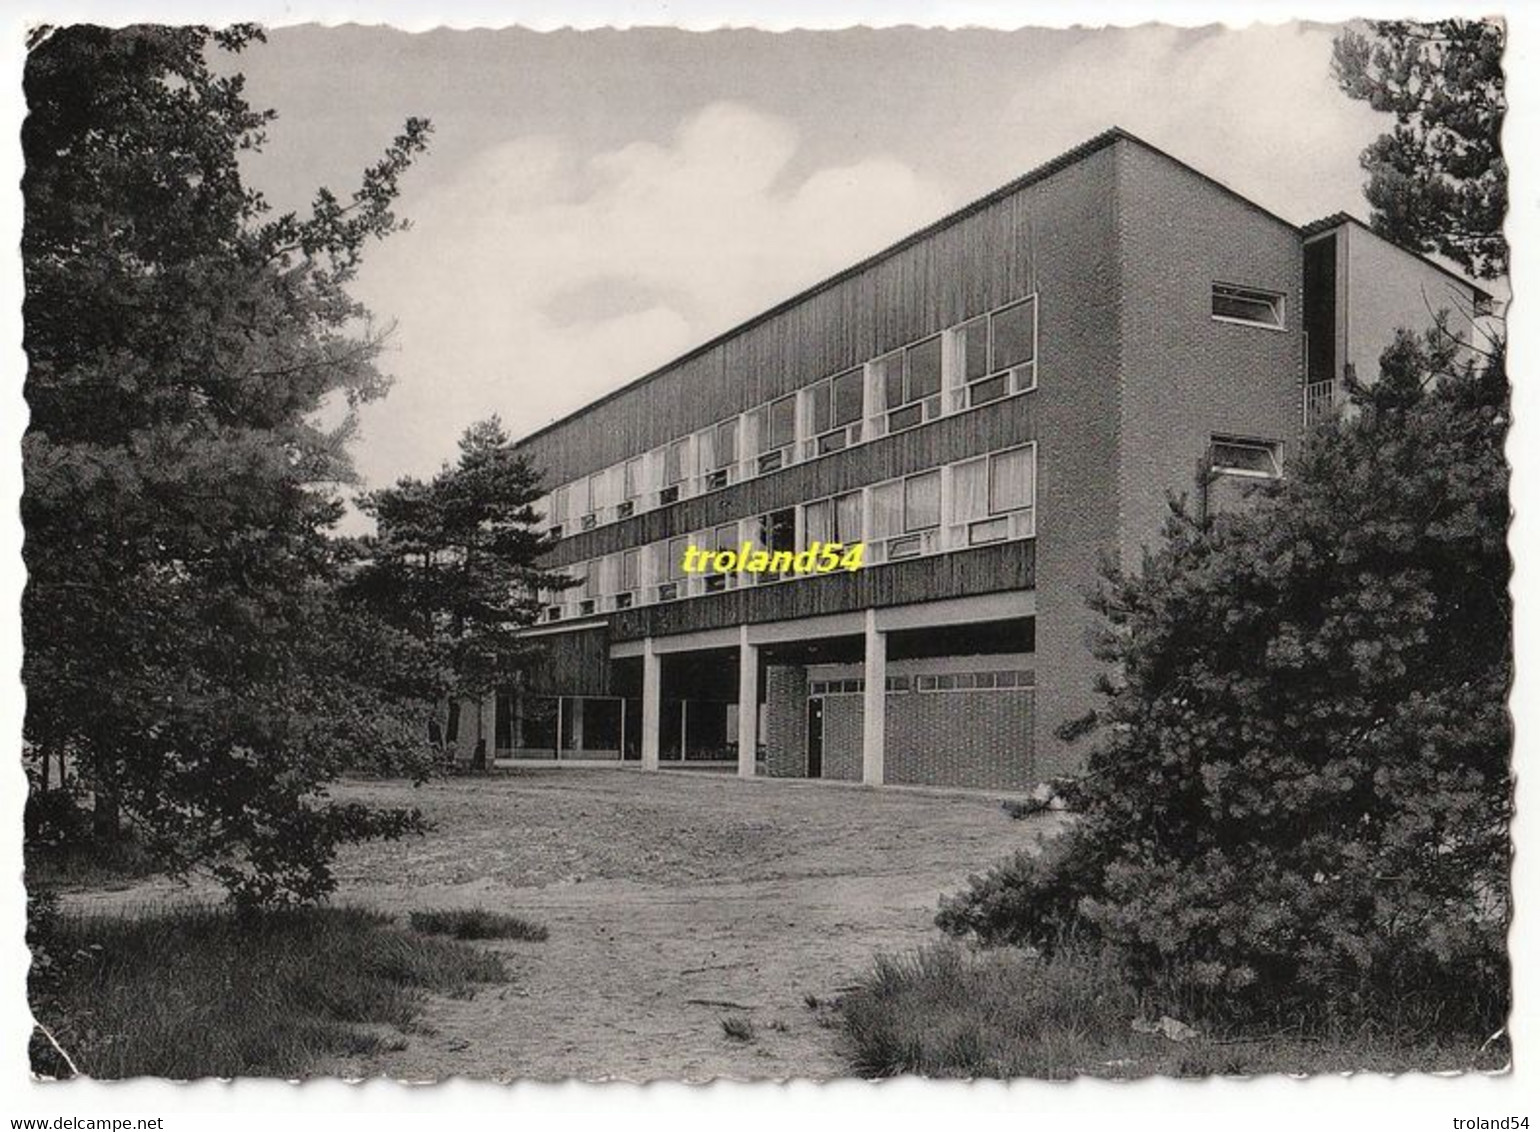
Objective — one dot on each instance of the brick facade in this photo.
(785, 738)
(842, 718)
(962, 739)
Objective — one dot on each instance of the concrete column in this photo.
(874, 721)
(748, 703)
(652, 704)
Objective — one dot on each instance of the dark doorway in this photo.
(815, 737)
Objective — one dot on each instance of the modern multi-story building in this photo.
(993, 406)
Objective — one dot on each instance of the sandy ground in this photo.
(673, 901)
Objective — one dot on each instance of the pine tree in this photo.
(1437, 179)
(183, 639)
(455, 563)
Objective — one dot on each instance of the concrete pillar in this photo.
(874, 721)
(652, 704)
(748, 703)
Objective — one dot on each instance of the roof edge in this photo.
(1318, 228)
(1033, 176)
(1042, 172)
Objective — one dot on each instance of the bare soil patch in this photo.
(674, 901)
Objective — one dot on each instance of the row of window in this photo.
(973, 502)
(983, 359)
(989, 680)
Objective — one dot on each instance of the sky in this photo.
(595, 203)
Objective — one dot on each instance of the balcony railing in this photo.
(1320, 401)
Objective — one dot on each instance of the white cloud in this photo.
(535, 278)
(1256, 108)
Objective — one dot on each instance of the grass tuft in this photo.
(201, 992)
(477, 923)
(738, 1027)
(88, 864)
(948, 1012)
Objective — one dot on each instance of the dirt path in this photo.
(673, 901)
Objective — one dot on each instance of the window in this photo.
(836, 687)
(776, 428)
(910, 380)
(905, 514)
(723, 538)
(993, 497)
(1247, 305)
(676, 550)
(602, 492)
(559, 505)
(629, 578)
(587, 589)
(1009, 679)
(996, 354)
(777, 532)
(835, 408)
(833, 520)
(1233, 457)
(717, 452)
(673, 470)
(583, 502)
(671, 570)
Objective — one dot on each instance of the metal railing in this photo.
(1320, 401)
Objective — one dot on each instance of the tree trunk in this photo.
(105, 814)
(105, 810)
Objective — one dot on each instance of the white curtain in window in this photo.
(970, 491)
(628, 569)
(847, 527)
(706, 451)
(922, 502)
(606, 488)
(673, 467)
(887, 510)
(818, 520)
(1011, 476)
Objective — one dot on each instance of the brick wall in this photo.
(1186, 376)
(785, 736)
(1119, 435)
(1077, 411)
(961, 739)
(842, 718)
